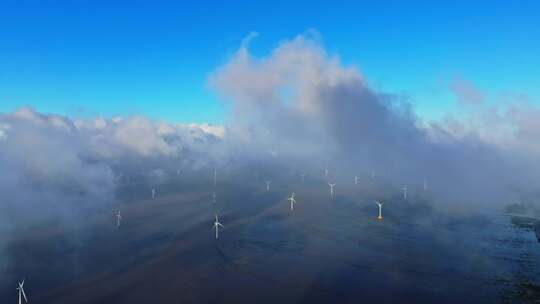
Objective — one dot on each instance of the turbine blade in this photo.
(24, 295)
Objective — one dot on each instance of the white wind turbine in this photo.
(214, 197)
(332, 188)
(217, 224)
(405, 193)
(153, 193)
(21, 292)
(268, 185)
(326, 172)
(118, 218)
(292, 200)
(380, 209)
(356, 180)
(215, 177)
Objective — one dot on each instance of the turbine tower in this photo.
(214, 197)
(380, 209)
(217, 224)
(153, 193)
(118, 218)
(21, 292)
(332, 188)
(268, 185)
(292, 200)
(215, 177)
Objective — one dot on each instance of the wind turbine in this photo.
(215, 177)
(214, 197)
(21, 292)
(292, 200)
(303, 175)
(326, 172)
(356, 180)
(268, 185)
(425, 185)
(118, 218)
(405, 193)
(331, 188)
(153, 193)
(217, 224)
(380, 209)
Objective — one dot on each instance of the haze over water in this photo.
(326, 250)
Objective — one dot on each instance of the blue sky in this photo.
(87, 58)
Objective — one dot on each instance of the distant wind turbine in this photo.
(356, 180)
(21, 292)
(425, 185)
(214, 197)
(292, 200)
(303, 175)
(405, 193)
(268, 185)
(380, 209)
(153, 193)
(331, 188)
(215, 177)
(326, 172)
(118, 218)
(217, 224)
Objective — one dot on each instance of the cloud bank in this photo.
(57, 170)
(299, 106)
(305, 104)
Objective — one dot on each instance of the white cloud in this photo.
(303, 103)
